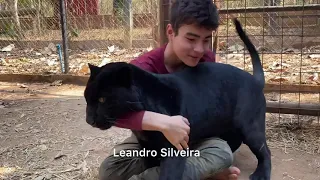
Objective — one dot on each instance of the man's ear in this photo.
(94, 70)
(170, 32)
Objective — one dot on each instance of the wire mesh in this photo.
(104, 20)
(97, 31)
(28, 22)
(289, 45)
(115, 22)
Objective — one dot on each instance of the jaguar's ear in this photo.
(123, 76)
(94, 70)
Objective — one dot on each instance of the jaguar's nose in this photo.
(90, 117)
(90, 120)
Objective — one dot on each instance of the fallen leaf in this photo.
(51, 62)
(6, 170)
(136, 54)
(236, 56)
(118, 53)
(149, 48)
(52, 47)
(278, 79)
(314, 77)
(291, 50)
(111, 48)
(46, 51)
(84, 69)
(3, 62)
(58, 156)
(8, 48)
(279, 70)
(314, 56)
(56, 83)
(84, 167)
(278, 65)
(18, 125)
(235, 47)
(43, 147)
(22, 85)
(44, 177)
(18, 129)
(104, 62)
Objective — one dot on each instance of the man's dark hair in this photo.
(203, 13)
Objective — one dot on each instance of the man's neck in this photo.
(171, 61)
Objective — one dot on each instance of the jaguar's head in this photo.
(109, 94)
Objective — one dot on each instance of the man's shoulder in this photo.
(210, 56)
(150, 55)
(150, 60)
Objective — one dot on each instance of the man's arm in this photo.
(175, 128)
(131, 121)
(142, 120)
(138, 120)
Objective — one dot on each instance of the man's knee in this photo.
(218, 151)
(120, 168)
(107, 169)
(215, 154)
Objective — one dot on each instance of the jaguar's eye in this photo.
(102, 100)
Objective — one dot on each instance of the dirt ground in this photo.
(43, 135)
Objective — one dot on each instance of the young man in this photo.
(189, 32)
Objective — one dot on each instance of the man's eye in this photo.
(102, 100)
(190, 39)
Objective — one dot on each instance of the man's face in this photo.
(191, 43)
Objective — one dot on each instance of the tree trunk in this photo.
(13, 4)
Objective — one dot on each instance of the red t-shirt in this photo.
(152, 61)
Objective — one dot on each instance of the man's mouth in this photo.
(194, 57)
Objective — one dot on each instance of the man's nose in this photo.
(199, 48)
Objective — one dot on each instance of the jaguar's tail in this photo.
(255, 59)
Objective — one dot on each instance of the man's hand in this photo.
(175, 128)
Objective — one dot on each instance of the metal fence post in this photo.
(63, 20)
(128, 23)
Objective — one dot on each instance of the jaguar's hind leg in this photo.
(255, 139)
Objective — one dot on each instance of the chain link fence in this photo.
(101, 31)
(96, 20)
(123, 23)
(287, 36)
(98, 31)
(275, 30)
(286, 33)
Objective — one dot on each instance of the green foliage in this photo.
(26, 3)
(73, 32)
(118, 7)
(9, 30)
